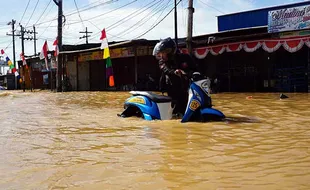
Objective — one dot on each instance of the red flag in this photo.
(103, 34)
(23, 59)
(43, 54)
(55, 42)
(2, 51)
(44, 50)
(56, 53)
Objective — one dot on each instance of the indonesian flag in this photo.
(104, 44)
(56, 53)
(106, 56)
(43, 54)
(22, 57)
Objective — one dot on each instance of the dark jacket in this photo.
(181, 61)
(169, 78)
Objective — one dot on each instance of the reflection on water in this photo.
(76, 141)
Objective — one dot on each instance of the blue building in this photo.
(250, 19)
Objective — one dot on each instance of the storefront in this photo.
(131, 61)
(260, 59)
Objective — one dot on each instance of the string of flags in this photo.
(44, 55)
(10, 63)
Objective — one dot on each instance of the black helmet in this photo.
(166, 45)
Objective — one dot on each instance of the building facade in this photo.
(265, 50)
(132, 63)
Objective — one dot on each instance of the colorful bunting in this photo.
(10, 64)
(106, 55)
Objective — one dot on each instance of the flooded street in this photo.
(76, 141)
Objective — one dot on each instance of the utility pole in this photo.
(22, 35)
(60, 60)
(190, 27)
(175, 23)
(35, 40)
(23, 53)
(86, 36)
(32, 38)
(13, 37)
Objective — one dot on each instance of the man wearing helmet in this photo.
(176, 69)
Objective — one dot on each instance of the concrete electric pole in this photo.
(12, 23)
(60, 60)
(175, 23)
(190, 27)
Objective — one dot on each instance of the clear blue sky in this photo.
(118, 29)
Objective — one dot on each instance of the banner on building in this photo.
(295, 18)
(90, 56)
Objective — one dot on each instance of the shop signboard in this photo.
(115, 53)
(89, 56)
(122, 52)
(289, 19)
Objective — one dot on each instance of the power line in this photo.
(8, 45)
(103, 15)
(107, 32)
(97, 16)
(91, 6)
(79, 14)
(133, 14)
(157, 23)
(24, 11)
(69, 14)
(46, 28)
(211, 7)
(48, 12)
(43, 11)
(163, 10)
(137, 25)
(33, 12)
(95, 6)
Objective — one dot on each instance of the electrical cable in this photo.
(137, 25)
(157, 23)
(32, 12)
(24, 11)
(211, 6)
(79, 13)
(43, 12)
(133, 14)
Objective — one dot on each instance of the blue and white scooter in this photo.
(151, 106)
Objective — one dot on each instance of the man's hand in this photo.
(179, 72)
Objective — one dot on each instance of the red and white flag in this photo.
(23, 59)
(56, 53)
(43, 54)
(44, 50)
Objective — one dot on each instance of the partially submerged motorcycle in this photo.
(151, 106)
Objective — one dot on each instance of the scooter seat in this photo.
(154, 97)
